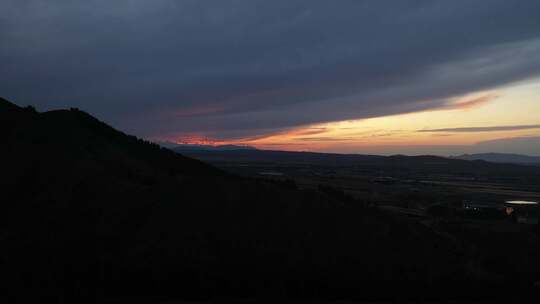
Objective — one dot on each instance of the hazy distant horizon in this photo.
(504, 146)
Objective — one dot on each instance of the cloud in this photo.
(326, 138)
(246, 68)
(197, 111)
(517, 145)
(484, 129)
(471, 103)
(311, 131)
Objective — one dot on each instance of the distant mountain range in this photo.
(248, 153)
(501, 158)
(196, 147)
(314, 157)
(395, 165)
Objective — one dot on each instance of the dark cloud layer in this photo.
(232, 68)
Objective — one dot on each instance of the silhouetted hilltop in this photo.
(501, 158)
(7, 106)
(196, 147)
(91, 215)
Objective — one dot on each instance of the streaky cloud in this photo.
(484, 129)
(471, 103)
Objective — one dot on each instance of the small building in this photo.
(523, 212)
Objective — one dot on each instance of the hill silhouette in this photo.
(94, 215)
(198, 147)
(508, 158)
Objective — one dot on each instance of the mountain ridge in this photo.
(196, 147)
(511, 158)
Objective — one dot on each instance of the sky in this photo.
(348, 76)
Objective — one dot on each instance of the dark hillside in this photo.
(502, 158)
(90, 214)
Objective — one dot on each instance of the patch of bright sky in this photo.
(517, 104)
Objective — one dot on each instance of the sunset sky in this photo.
(348, 76)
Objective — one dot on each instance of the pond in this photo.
(521, 203)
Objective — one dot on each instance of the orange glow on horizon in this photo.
(477, 110)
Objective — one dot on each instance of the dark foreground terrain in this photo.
(92, 215)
